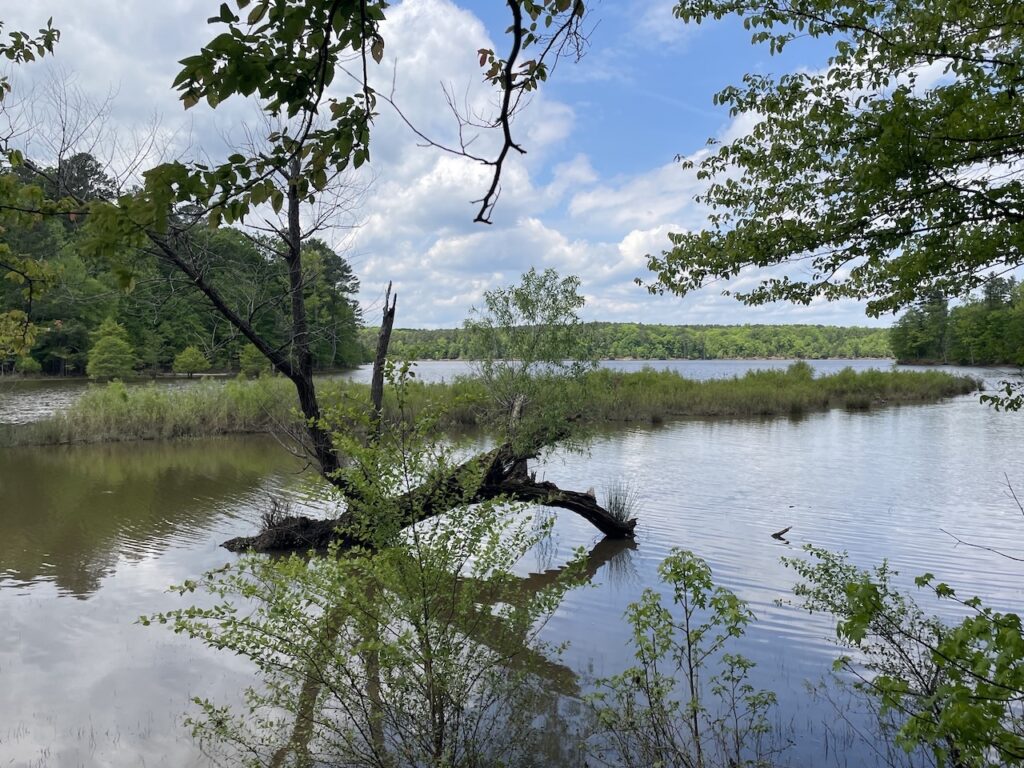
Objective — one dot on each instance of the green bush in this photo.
(687, 701)
(27, 365)
(952, 689)
(110, 358)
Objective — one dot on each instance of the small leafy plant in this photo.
(953, 690)
(687, 701)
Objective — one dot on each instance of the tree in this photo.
(17, 204)
(524, 336)
(190, 360)
(286, 54)
(422, 651)
(892, 174)
(251, 361)
(111, 356)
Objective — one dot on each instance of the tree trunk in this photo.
(381, 356)
(504, 475)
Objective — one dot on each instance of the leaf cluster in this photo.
(956, 689)
(890, 174)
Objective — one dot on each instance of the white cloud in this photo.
(554, 210)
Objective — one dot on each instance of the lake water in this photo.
(91, 536)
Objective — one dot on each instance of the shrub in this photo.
(27, 365)
(954, 690)
(647, 716)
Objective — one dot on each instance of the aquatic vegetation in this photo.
(116, 412)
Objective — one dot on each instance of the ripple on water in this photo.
(882, 485)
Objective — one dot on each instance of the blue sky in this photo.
(598, 190)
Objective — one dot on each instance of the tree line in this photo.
(102, 318)
(987, 329)
(668, 342)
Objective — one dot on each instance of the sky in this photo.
(599, 188)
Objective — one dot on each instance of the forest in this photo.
(143, 318)
(640, 341)
(986, 329)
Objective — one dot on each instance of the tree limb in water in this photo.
(505, 475)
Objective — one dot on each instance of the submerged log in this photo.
(506, 475)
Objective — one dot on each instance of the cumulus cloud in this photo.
(555, 209)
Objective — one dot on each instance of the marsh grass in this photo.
(622, 499)
(275, 513)
(114, 412)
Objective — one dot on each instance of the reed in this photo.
(115, 412)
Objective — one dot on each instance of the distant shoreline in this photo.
(14, 377)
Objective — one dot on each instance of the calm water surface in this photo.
(91, 536)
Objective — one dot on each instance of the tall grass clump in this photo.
(116, 412)
(622, 499)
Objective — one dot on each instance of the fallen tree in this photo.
(504, 476)
(533, 326)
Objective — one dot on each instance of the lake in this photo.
(91, 536)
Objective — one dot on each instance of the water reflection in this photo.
(480, 626)
(117, 524)
(69, 515)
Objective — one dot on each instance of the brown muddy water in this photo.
(91, 536)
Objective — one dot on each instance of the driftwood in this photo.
(505, 476)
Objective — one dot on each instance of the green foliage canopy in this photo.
(190, 360)
(111, 357)
(892, 174)
(525, 335)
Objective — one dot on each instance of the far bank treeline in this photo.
(669, 342)
(154, 309)
(985, 329)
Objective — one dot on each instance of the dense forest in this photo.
(669, 342)
(146, 317)
(987, 329)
